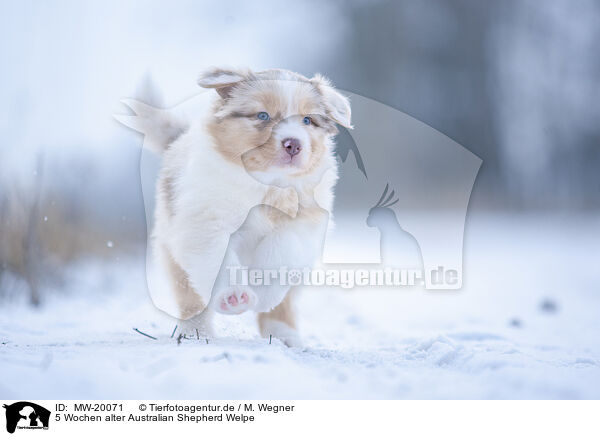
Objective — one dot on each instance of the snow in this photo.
(495, 338)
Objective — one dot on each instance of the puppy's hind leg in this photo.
(280, 322)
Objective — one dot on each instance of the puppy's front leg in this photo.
(280, 322)
(213, 279)
(199, 326)
(200, 255)
(193, 281)
(231, 297)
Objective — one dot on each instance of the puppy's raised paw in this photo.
(235, 300)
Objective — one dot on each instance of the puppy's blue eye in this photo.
(263, 116)
(307, 120)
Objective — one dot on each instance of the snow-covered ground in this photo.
(492, 339)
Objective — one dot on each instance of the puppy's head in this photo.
(278, 123)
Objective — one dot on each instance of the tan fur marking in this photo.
(188, 300)
(237, 132)
(285, 312)
(234, 137)
(284, 200)
(167, 189)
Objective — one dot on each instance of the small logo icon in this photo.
(26, 415)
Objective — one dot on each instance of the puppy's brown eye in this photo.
(307, 120)
(263, 116)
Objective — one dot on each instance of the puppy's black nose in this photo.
(292, 146)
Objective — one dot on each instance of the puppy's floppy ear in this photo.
(338, 106)
(223, 80)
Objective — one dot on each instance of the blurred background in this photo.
(515, 82)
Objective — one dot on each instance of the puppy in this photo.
(246, 184)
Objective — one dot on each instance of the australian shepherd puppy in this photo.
(247, 185)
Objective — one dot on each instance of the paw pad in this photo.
(235, 301)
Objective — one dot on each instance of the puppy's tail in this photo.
(160, 127)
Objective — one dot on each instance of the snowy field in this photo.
(525, 325)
